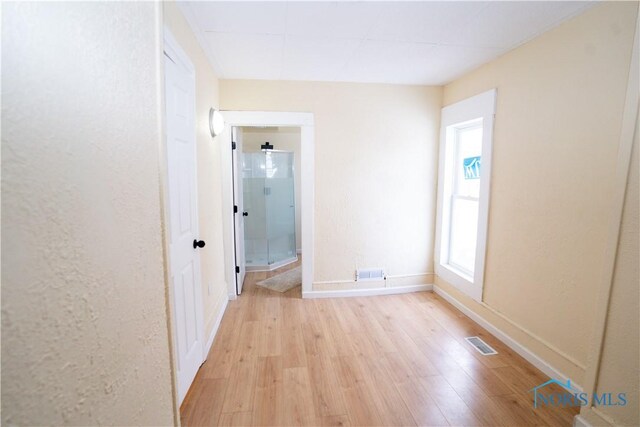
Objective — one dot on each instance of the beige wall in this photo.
(285, 139)
(620, 365)
(559, 109)
(375, 166)
(214, 285)
(84, 327)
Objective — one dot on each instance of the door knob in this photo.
(198, 244)
(245, 213)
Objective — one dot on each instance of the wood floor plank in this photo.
(523, 413)
(241, 388)
(348, 320)
(206, 406)
(242, 379)
(316, 340)
(336, 336)
(269, 393)
(270, 337)
(485, 408)
(279, 360)
(350, 372)
(439, 358)
(248, 340)
(518, 382)
(488, 381)
(293, 352)
(398, 367)
(292, 311)
(362, 410)
(378, 336)
(392, 408)
(419, 363)
(450, 404)
(361, 345)
(460, 326)
(424, 410)
(298, 407)
(223, 350)
(236, 419)
(334, 421)
(325, 387)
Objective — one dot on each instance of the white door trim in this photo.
(171, 42)
(173, 51)
(479, 106)
(264, 118)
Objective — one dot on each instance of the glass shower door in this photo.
(268, 191)
(280, 206)
(255, 224)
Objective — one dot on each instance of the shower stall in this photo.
(268, 197)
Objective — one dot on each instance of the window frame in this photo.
(457, 116)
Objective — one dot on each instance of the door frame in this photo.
(169, 41)
(238, 213)
(305, 121)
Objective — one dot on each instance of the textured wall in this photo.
(559, 111)
(376, 152)
(286, 139)
(84, 328)
(214, 285)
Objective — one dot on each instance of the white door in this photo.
(184, 256)
(239, 213)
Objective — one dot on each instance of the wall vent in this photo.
(369, 274)
(484, 348)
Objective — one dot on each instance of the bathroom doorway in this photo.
(271, 194)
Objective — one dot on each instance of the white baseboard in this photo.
(366, 292)
(592, 417)
(580, 421)
(216, 326)
(271, 267)
(506, 339)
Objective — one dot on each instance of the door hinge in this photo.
(237, 269)
(233, 145)
(235, 209)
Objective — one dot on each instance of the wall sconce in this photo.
(216, 122)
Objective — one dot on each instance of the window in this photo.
(463, 192)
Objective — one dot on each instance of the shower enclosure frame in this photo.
(268, 265)
(304, 121)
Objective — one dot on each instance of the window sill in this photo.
(458, 272)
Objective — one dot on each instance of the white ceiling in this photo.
(419, 42)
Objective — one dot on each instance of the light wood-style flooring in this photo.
(386, 360)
